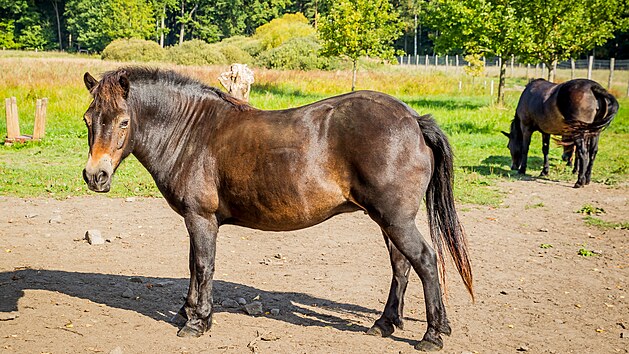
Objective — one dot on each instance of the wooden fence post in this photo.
(612, 61)
(512, 60)
(590, 63)
(572, 67)
(39, 129)
(436, 62)
(528, 66)
(13, 123)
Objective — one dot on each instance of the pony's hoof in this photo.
(426, 346)
(378, 331)
(179, 320)
(543, 174)
(188, 331)
(578, 185)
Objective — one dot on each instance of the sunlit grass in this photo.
(468, 116)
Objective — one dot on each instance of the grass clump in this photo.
(589, 209)
(602, 224)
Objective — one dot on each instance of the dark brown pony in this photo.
(578, 110)
(220, 161)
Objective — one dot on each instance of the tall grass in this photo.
(53, 166)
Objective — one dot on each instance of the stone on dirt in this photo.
(241, 301)
(116, 350)
(229, 303)
(94, 237)
(275, 312)
(254, 308)
(128, 293)
(55, 219)
(8, 316)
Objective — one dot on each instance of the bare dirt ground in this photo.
(59, 294)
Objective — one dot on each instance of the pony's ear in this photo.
(506, 134)
(89, 81)
(123, 80)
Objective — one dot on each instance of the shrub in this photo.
(133, 50)
(248, 44)
(195, 52)
(280, 30)
(234, 54)
(296, 53)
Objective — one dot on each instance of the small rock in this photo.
(523, 348)
(31, 215)
(55, 220)
(130, 200)
(269, 337)
(241, 301)
(135, 280)
(559, 321)
(116, 350)
(163, 284)
(624, 335)
(543, 229)
(229, 303)
(599, 252)
(275, 312)
(254, 308)
(127, 294)
(503, 292)
(8, 316)
(94, 237)
(278, 256)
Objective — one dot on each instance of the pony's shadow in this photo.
(161, 298)
(496, 165)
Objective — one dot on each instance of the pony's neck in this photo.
(168, 123)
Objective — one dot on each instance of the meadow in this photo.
(52, 167)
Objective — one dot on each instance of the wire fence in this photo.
(601, 70)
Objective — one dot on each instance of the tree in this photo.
(487, 27)
(560, 30)
(356, 28)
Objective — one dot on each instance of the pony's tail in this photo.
(608, 107)
(442, 217)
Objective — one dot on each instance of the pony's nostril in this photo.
(102, 177)
(85, 176)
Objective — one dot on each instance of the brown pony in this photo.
(578, 110)
(220, 161)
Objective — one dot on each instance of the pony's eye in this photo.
(124, 124)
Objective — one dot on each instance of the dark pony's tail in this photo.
(608, 107)
(442, 217)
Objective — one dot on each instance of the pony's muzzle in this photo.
(98, 176)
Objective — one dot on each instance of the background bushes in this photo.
(133, 50)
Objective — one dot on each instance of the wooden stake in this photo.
(38, 128)
(611, 73)
(13, 125)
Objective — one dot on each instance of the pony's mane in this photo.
(136, 74)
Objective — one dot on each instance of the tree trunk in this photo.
(501, 82)
(355, 62)
(54, 5)
(161, 32)
(551, 70)
(183, 22)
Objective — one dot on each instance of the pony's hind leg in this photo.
(392, 316)
(545, 148)
(410, 243)
(592, 150)
(582, 160)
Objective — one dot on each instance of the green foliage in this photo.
(585, 252)
(7, 35)
(296, 53)
(356, 28)
(559, 30)
(588, 209)
(545, 246)
(133, 50)
(280, 30)
(476, 66)
(534, 206)
(96, 24)
(248, 44)
(195, 52)
(33, 37)
(602, 224)
(234, 54)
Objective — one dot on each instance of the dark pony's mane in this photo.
(109, 87)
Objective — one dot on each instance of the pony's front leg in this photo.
(592, 150)
(545, 148)
(198, 306)
(526, 141)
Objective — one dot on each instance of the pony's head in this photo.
(515, 143)
(108, 122)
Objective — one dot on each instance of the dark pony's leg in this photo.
(526, 141)
(392, 315)
(593, 150)
(581, 160)
(198, 306)
(407, 239)
(545, 146)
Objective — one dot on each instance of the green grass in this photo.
(472, 123)
(605, 225)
